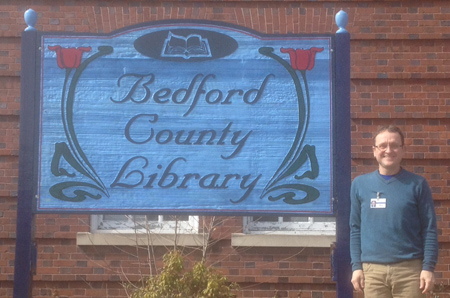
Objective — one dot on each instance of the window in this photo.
(286, 231)
(156, 224)
(142, 230)
(291, 225)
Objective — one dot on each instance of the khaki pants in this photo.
(398, 280)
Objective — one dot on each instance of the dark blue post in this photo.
(25, 249)
(342, 157)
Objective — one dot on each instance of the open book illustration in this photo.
(194, 45)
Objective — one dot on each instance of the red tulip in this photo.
(69, 57)
(302, 59)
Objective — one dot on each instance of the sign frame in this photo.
(220, 210)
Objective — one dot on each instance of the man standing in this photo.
(393, 234)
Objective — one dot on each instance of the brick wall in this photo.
(400, 74)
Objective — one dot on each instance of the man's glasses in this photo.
(383, 147)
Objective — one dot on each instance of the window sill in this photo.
(264, 240)
(131, 239)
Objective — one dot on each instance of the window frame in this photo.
(310, 226)
(161, 226)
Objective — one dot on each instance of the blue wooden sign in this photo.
(186, 117)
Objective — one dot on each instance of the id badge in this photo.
(378, 203)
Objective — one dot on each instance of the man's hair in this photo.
(390, 128)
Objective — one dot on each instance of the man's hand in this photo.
(426, 281)
(358, 280)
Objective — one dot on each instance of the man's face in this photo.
(388, 151)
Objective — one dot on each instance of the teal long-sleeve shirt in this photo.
(392, 220)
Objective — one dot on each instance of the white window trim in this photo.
(128, 239)
(277, 240)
